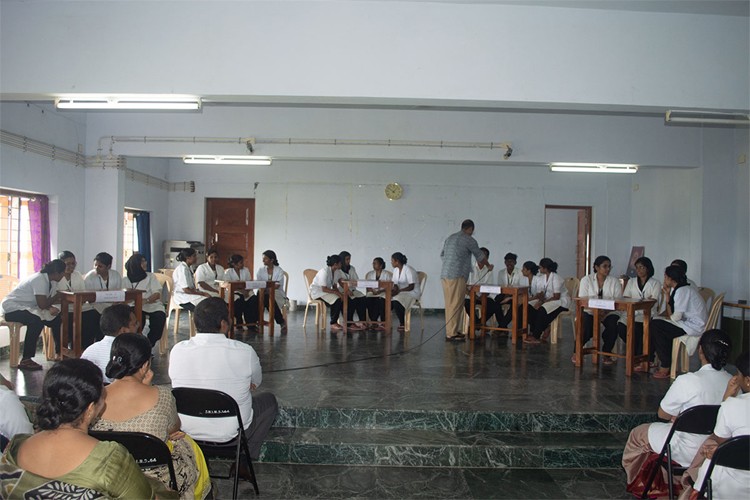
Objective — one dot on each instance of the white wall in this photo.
(561, 239)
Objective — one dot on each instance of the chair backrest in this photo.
(206, 403)
(422, 282)
(713, 315)
(309, 275)
(707, 294)
(147, 450)
(286, 284)
(699, 419)
(165, 280)
(733, 453)
(572, 285)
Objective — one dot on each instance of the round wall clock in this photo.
(394, 191)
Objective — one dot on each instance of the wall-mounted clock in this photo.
(394, 191)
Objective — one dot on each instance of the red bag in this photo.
(659, 486)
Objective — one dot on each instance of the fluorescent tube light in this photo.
(603, 168)
(227, 160)
(165, 103)
(706, 117)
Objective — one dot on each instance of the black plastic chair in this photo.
(208, 403)
(733, 453)
(696, 420)
(3, 443)
(147, 450)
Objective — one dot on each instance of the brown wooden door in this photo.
(230, 228)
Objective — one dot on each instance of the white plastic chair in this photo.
(173, 306)
(319, 305)
(683, 347)
(572, 285)
(416, 304)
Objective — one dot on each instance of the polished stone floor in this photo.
(410, 378)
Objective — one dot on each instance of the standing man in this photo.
(457, 251)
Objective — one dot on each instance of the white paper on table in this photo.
(366, 284)
(110, 296)
(609, 305)
(490, 289)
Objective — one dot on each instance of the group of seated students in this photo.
(710, 385)
(61, 460)
(190, 289)
(328, 286)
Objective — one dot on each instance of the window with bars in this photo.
(16, 258)
(130, 237)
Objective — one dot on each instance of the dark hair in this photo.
(70, 386)
(104, 258)
(677, 274)
(532, 267)
(271, 255)
(486, 252)
(743, 363)
(114, 318)
(344, 254)
(53, 267)
(133, 268)
(185, 253)
(235, 259)
(601, 260)
(646, 262)
(399, 257)
(467, 224)
(716, 346)
(332, 260)
(548, 264)
(65, 254)
(212, 251)
(681, 264)
(128, 354)
(382, 262)
(511, 256)
(209, 313)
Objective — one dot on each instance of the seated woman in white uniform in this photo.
(102, 277)
(601, 285)
(685, 314)
(72, 281)
(185, 293)
(272, 272)
(405, 287)
(643, 287)
(375, 298)
(245, 301)
(325, 288)
(704, 387)
(356, 298)
(531, 278)
(549, 302)
(31, 304)
(208, 273)
(138, 278)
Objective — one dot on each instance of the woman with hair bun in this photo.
(134, 405)
(31, 304)
(272, 272)
(185, 293)
(245, 301)
(325, 288)
(61, 460)
(549, 302)
(138, 278)
(405, 287)
(601, 285)
(704, 387)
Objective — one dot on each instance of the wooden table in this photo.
(77, 299)
(386, 285)
(630, 306)
(519, 296)
(261, 286)
(742, 307)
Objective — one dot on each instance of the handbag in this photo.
(659, 486)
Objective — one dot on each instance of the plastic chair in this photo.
(165, 280)
(320, 306)
(733, 453)
(696, 420)
(708, 295)
(208, 403)
(683, 347)
(147, 450)
(572, 285)
(285, 305)
(416, 304)
(7, 284)
(174, 306)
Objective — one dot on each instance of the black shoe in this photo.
(459, 337)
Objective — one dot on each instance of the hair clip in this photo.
(117, 359)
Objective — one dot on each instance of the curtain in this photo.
(143, 228)
(39, 223)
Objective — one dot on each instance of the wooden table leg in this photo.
(388, 297)
(579, 335)
(77, 317)
(595, 332)
(271, 309)
(472, 305)
(630, 318)
(646, 338)
(64, 328)
(345, 304)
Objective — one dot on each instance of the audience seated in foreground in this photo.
(116, 319)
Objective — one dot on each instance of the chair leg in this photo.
(304, 319)
(421, 317)
(555, 330)
(407, 320)
(48, 343)
(15, 343)
(676, 346)
(176, 323)
(192, 324)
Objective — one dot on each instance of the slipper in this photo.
(573, 359)
(640, 368)
(29, 364)
(608, 360)
(456, 338)
(531, 340)
(660, 374)
(335, 327)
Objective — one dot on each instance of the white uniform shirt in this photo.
(99, 354)
(278, 276)
(689, 312)
(324, 278)
(385, 275)
(510, 279)
(23, 296)
(482, 277)
(150, 285)
(733, 420)
(75, 284)
(209, 276)
(212, 361)
(244, 275)
(590, 288)
(551, 285)
(651, 290)
(350, 276)
(183, 278)
(405, 277)
(96, 283)
(704, 387)
(13, 417)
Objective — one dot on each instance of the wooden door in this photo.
(583, 246)
(230, 228)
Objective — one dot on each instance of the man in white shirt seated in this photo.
(13, 417)
(116, 319)
(212, 361)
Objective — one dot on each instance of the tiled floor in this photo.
(420, 371)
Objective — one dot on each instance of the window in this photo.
(130, 237)
(16, 256)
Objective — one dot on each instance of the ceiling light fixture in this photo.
(227, 160)
(706, 117)
(602, 168)
(130, 102)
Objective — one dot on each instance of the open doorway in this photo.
(567, 238)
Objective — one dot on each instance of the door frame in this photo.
(583, 255)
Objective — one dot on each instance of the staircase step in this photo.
(439, 448)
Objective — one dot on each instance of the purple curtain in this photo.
(39, 222)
